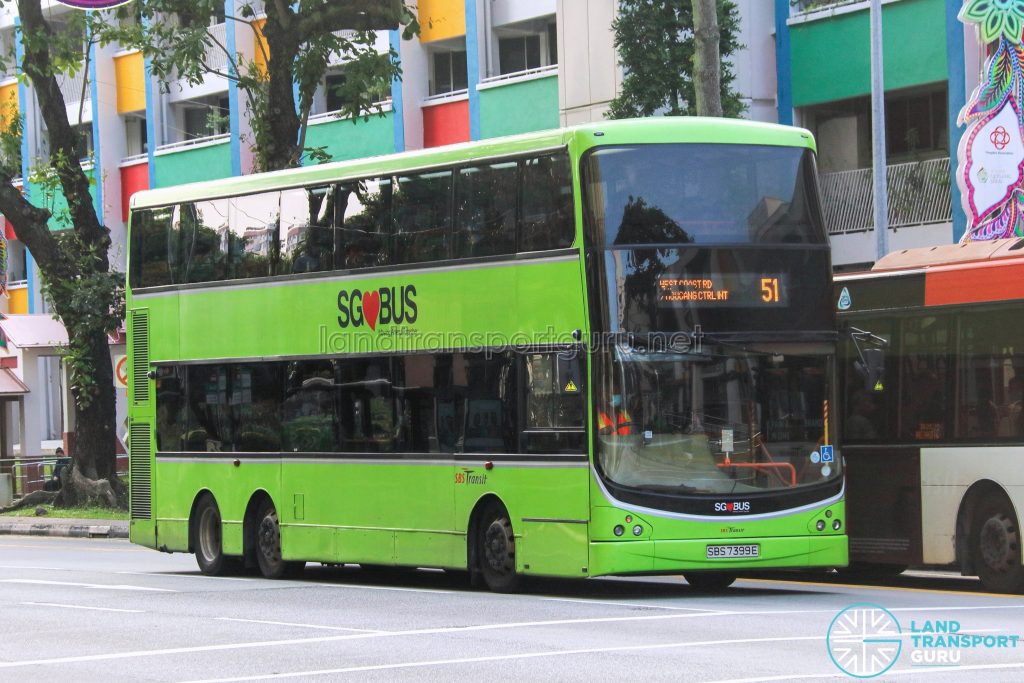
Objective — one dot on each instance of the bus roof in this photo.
(973, 272)
(632, 131)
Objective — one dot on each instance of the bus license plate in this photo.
(723, 552)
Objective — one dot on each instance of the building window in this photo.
(916, 123)
(334, 88)
(526, 46)
(135, 135)
(206, 117)
(84, 142)
(448, 72)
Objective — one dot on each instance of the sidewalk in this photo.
(65, 527)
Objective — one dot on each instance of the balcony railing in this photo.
(216, 55)
(919, 194)
(71, 87)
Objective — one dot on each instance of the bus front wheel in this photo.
(496, 551)
(268, 545)
(996, 546)
(207, 540)
(709, 582)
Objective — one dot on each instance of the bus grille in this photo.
(140, 357)
(140, 471)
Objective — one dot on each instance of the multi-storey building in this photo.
(932, 61)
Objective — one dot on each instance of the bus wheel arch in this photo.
(491, 546)
(988, 540)
(205, 536)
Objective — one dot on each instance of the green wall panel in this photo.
(344, 140)
(520, 107)
(57, 204)
(831, 57)
(190, 165)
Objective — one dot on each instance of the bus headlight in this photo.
(619, 530)
(821, 525)
(837, 525)
(637, 530)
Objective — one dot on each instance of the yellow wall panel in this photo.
(440, 19)
(8, 104)
(131, 87)
(262, 50)
(19, 300)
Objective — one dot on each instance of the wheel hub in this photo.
(209, 535)
(998, 539)
(268, 543)
(497, 547)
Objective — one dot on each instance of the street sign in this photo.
(121, 372)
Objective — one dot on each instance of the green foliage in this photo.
(654, 39)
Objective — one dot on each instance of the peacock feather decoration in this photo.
(991, 154)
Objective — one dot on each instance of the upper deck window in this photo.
(701, 194)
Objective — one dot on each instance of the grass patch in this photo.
(64, 513)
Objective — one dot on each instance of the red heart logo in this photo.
(728, 506)
(371, 307)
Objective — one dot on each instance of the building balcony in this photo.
(919, 194)
(74, 88)
(803, 8)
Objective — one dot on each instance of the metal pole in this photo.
(878, 133)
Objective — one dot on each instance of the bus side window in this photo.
(548, 219)
(150, 265)
(364, 224)
(485, 210)
(204, 242)
(490, 402)
(554, 395)
(208, 419)
(366, 406)
(924, 378)
(990, 383)
(422, 209)
(307, 230)
(309, 416)
(256, 397)
(252, 234)
(170, 409)
(869, 414)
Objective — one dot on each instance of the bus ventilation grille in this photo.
(140, 356)
(141, 472)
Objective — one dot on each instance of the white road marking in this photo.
(431, 631)
(165, 575)
(288, 623)
(498, 658)
(101, 586)
(634, 604)
(891, 672)
(98, 609)
(389, 588)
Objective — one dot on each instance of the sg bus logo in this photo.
(384, 306)
(738, 506)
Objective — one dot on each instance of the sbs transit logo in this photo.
(383, 306)
(93, 4)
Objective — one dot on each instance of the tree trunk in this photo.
(707, 67)
(95, 448)
(279, 140)
(79, 491)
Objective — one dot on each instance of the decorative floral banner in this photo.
(990, 169)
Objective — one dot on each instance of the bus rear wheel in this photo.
(268, 545)
(709, 582)
(207, 540)
(496, 550)
(996, 547)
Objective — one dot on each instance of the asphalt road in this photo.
(90, 610)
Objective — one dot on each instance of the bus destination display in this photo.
(737, 289)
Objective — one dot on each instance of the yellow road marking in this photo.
(882, 588)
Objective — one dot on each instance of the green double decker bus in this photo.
(602, 350)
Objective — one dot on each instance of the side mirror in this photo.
(872, 369)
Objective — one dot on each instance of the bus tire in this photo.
(996, 546)
(268, 545)
(496, 550)
(207, 539)
(709, 582)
